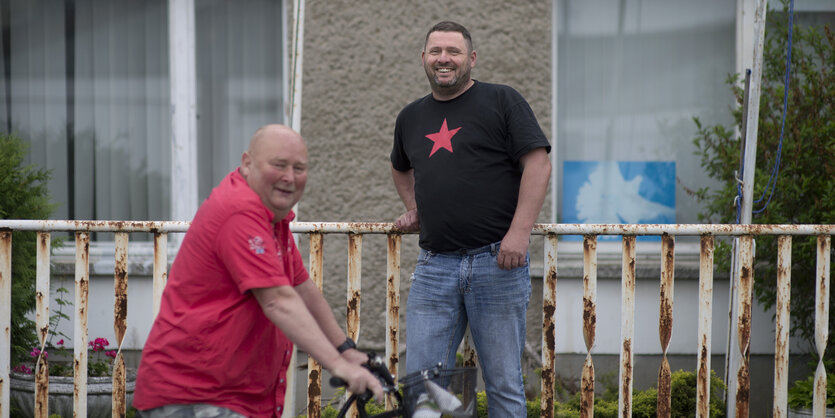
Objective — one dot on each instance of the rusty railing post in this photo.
(160, 267)
(589, 323)
(120, 321)
(5, 319)
(82, 292)
(42, 322)
(705, 325)
(549, 338)
(627, 328)
(314, 369)
(665, 323)
(746, 281)
(781, 322)
(821, 322)
(392, 304)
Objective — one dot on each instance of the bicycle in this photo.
(430, 393)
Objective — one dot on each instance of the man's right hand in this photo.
(408, 222)
(359, 379)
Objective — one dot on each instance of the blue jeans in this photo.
(448, 290)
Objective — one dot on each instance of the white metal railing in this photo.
(356, 231)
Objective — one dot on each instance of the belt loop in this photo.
(495, 247)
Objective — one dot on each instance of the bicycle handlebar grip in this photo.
(337, 382)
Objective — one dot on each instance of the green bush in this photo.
(801, 393)
(644, 402)
(25, 196)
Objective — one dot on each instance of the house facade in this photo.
(141, 107)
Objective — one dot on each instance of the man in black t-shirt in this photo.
(471, 165)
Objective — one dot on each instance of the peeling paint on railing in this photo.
(82, 293)
(665, 323)
(120, 323)
(314, 369)
(5, 318)
(745, 282)
(160, 266)
(355, 232)
(781, 322)
(549, 321)
(627, 328)
(705, 315)
(42, 322)
(354, 285)
(392, 305)
(589, 323)
(821, 323)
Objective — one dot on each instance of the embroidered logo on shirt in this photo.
(442, 138)
(256, 244)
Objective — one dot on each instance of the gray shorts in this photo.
(198, 410)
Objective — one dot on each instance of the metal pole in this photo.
(733, 356)
(737, 205)
(295, 122)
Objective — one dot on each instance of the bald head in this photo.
(273, 132)
(275, 168)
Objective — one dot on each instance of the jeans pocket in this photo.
(424, 257)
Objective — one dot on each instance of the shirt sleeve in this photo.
(399, 159)
(246, 246)
(524, 131)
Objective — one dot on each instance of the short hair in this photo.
(449, 26)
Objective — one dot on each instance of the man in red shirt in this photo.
(238, 297)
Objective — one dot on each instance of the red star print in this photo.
(443, 138)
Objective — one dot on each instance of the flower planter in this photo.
(99, 394)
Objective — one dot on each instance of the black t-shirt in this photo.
(465, 153)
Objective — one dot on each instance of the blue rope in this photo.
(772, 180)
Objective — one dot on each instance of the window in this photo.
(631, 75)
(88, 84)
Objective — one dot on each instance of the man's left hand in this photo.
(514, 250)
(355, 356)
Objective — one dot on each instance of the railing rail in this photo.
(355, 232)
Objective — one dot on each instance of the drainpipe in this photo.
(294, 118)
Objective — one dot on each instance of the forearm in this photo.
(404, 182)
(532, 190)
(287, 310)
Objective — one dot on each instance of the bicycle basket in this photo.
(439, 392)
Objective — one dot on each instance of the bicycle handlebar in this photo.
(376, 366)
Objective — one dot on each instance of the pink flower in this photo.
(111, 354)
(22, 369)
(99, 344)
(37, 352)
(61, 341)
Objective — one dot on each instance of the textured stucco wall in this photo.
(361, 66)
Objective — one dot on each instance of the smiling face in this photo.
(447, 60)
(275, 167)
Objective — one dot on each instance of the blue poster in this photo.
(619, 192)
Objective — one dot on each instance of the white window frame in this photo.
(183, 74)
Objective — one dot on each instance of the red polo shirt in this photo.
(211, 342)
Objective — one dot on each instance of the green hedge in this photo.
(25, 196)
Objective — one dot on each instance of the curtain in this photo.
(239, 81)
(85, 84)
